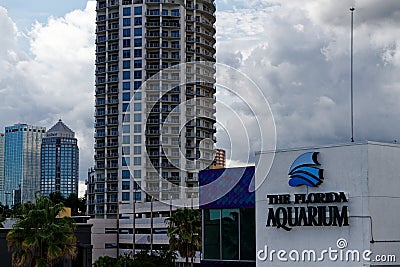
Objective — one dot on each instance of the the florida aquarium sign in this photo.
(312, 209)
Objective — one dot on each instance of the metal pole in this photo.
(151, 225)
(117, 229)
(134, 227)
(170, 206)
(351, 76)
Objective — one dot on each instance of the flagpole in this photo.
(351, 77)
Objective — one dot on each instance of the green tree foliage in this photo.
(105, 261)
(154, 259)
(184, 232)
(39, 238)
(5, 212)
(141, 259)
(77, 205)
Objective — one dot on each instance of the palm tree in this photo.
(40, 238)
(184, 232)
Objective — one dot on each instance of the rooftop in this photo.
(60, 130)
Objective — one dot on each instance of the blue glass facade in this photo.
(22, 162)
(2, 168)
(59, 162)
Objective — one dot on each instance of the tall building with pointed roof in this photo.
(59, 161)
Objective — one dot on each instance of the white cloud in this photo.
(56, 80)
(299, 56)
(297, 51)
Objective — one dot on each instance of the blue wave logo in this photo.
(305, 171)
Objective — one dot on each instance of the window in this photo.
(126, 32)
(110, 245)
(165, 12)
(126, 118)
(126, 96)
(126, 64)
(224, 228)
(137, 139)
(137, 63)
(138, 21)
(126, 53)
(126, 86)
(137, 150)
(126, 161)
(137, 85)
(126, 22)
(137, 32)
(137, 195)
(137, 96)
(126, 11)
(125, 196)
(126, 75)
(110, 231)
(125, 107)
(126, 139)
(137, 117)
(136, 186)
(137, 42)
(137, 53)
(212, 222)
(126, 128)
(137, 174)
(137, 128)
(126, 174)
(175, 12)
(126, 43)
(230, 234)
(126, 150)
(126, 185)
(175, 33)
(137, 10)
(154, 12)
(137, 161)
(137, 74)
(137, 106)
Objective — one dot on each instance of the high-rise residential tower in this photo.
(59, 161)
(155, 112)
(220, 159)
(22, 162)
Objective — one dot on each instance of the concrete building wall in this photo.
(366, 173)
(100, 238)
(383, 200)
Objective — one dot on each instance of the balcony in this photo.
(112, 144)
(153, 24)
(112, 101)
(112, 155)
(152, 143)
(153, 121)
(153, 132)
(100, 145)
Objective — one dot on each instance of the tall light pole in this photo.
(351, 76)
(134, 226)
(151, 225)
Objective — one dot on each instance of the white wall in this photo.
(369, 173)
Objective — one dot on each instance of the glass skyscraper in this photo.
(59, 161)
(22, 162)
(155, 112)
(2, 169)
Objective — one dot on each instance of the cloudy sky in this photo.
(295, 51)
